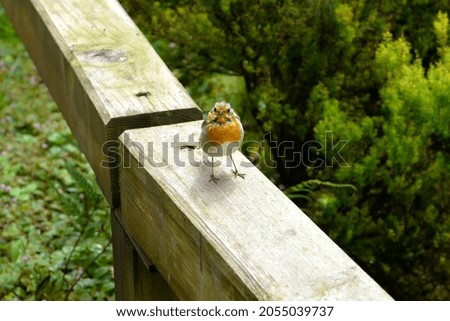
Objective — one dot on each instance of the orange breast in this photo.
(229, 132)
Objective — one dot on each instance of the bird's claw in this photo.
(213, 178)
(236, 174)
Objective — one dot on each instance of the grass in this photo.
(54, 222)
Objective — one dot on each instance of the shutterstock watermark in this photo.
(311, 154)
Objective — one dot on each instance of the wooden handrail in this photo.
(103, 74)
(239, 239)
(175, 234)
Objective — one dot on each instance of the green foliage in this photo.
(306, 189)
(403, 176)
(373, 73)
(55, 233)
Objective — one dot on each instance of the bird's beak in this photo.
(221, 119)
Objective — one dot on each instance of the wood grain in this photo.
(238, 239)
(103, 74)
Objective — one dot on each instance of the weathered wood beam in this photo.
(239, 239)
(103, 74)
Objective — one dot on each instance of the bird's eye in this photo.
(215, 110)
(229, 110)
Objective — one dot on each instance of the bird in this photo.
(221, 135)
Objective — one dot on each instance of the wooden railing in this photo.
(175, 234)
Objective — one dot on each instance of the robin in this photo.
(222, 134)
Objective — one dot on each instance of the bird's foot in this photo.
(213, 178)
(236, 174)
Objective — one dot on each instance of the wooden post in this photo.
(136, 278)
(239, 239)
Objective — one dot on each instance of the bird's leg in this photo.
(235, 171)
(213, 178)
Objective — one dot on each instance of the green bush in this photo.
(399, 215)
